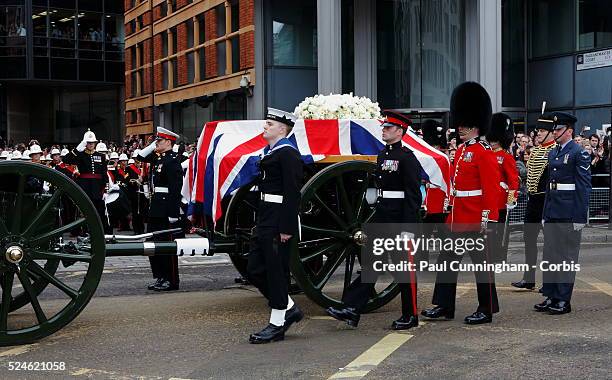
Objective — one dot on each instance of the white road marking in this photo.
(18, 350)
(372, 357)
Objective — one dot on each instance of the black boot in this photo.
(405, 323)
(543, 306)
(155, 283)
(348, 315)
(524, 285)
(561, 307)
(270, 333)
(478, 318)
(293, 315)
(438, 312)
(165, 286)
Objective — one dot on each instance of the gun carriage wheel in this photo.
(35, 238)
(333, 210)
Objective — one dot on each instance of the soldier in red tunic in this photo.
(474, 203)
(500, 137)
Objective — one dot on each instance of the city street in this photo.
(202, 332)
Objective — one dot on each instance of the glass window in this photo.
(202, 63)
(90, 31)
(442, 51)
(235, 42)
(165, 80)
(220, 12)
(91, 5)
(39, 21)
(221, 58)
(189, 24)
(348, 47)
(594, 24)
(39, 2)
(175, 80)
(114, 31)
(294, 33)
(164, 39)
(174, 40)
(235, 15)
(201, 30)
(12, 22)
(190, 67)
(513, 53)
(113, 6)
(69, 4)
(398, 53)
(551, 25)
(164, 9)
(62, 24)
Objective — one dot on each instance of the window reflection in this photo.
(595, 24)
(294, 33)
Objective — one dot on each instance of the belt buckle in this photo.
(454, 192)
(379, 193)
(553, 186)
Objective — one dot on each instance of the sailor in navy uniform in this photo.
(398, 176)
(92, 173)
(565, 213)
(281, 175)
(166, 177)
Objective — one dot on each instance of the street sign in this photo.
(594, 60)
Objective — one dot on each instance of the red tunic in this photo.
(434, 200)
(475, 170)
(509, 178)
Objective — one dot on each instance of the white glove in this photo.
(173, 220)
(46, 187)
(511, 206)
(81, 146)
(114, 187)
(578, 226)
(148, 150)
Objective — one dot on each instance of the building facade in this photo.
(61, 69)
(189, 62)
(186, 62)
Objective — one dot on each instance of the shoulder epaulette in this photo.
(485, 144)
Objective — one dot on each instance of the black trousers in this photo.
(358, 293)
(445, 290)
(531, 230)
(561, 244)
(166, 266)
(268, 265)
(137, 212)
(497, 238)
(101, 208)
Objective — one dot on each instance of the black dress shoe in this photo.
(270, 333)
(293, 315)
(541, 290)
(543, 306)
(348, 315)
(524, 285)
(155, 283)
(438, 312)
(561, 307)
(478, 318)
(405, 323)
(165, 286)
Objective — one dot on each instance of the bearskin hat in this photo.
(470, 106)
(434, 133)
(502, 130)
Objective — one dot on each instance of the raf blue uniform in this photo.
(565, 213)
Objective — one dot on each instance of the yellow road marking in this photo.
(18, 350)
(372, 357)
(322, 317)
(597, 284)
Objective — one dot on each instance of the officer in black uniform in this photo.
(565, 214)
(281, 174)
(398, 177)
(92, 173)
(166, 177)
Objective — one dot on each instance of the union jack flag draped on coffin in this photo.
(227, 153)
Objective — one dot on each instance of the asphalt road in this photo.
(201, 332)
